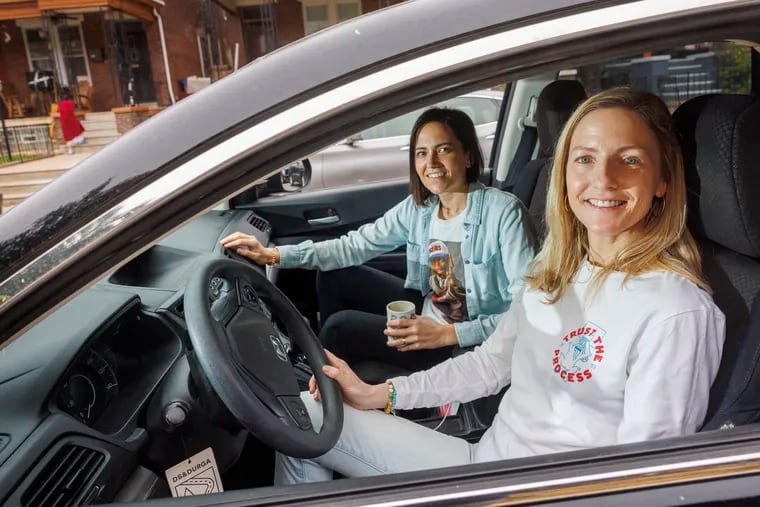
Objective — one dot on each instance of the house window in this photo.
(72, 54)
(259, 29)
(61, 48)
(319, 14)
(39, 52)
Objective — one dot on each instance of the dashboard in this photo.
(90, 386)
(92, 381)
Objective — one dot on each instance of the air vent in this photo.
(63, 481)
(259, 223)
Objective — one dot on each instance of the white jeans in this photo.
(373, 443)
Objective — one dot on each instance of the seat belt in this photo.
(525, 147)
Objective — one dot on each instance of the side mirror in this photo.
(296, 176)
(350, 140)
(289, 179)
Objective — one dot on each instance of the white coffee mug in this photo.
(400, 310)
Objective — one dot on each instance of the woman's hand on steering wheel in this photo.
(419, 333)
(356, 392)
(250, 247)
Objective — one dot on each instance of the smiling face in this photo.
(438, 265)
(612, 176)
(440, 160)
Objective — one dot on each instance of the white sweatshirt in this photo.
(632, 362)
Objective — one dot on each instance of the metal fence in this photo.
(674, 89)
(674, 79)
(679, 87)
(24, 142)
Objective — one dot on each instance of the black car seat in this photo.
(556, 103)
(719, 135)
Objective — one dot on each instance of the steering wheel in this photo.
(240, 351)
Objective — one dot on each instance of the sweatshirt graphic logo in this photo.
(579, 353)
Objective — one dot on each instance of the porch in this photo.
(97, 50)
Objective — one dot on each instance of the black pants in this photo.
(352, 308)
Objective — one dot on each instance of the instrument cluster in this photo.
(90, 385)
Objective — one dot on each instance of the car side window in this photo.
(399, 126)
(480, 109)
(381, 152)
(675, 74)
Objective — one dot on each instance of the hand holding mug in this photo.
(419, 333)
(397, 310)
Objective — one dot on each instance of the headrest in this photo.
(556, 103)
(720, 139)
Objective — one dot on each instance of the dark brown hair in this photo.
(463, 129)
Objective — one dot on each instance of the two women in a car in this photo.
(615, 329)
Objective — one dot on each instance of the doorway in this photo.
(133, 64)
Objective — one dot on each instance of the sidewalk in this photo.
(18, 181)
(44, 164)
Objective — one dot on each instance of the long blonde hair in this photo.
(666, 245)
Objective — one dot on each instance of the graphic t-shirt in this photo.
(446, 303)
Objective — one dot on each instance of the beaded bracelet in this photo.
(274, 257)
(390, 407)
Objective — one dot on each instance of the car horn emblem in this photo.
(279, 348)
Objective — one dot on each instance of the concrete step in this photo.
(91, 134)
(21, 173)
(98, 141)
(13, 198)
(100, 129)
(27, 185)
(19, 181)
(92, 126)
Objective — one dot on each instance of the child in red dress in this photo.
(72, 129)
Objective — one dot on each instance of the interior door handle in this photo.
(490, 136)
(404, 148)
(324, 220)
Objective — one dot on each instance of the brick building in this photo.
(112, 53)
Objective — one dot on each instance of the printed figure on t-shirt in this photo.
(448, 297)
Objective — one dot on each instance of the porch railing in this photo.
(22, 143)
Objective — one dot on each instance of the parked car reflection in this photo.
(381, 152)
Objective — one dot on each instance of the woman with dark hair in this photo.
(467, 249)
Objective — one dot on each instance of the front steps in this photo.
(19, 181)
(99, 130)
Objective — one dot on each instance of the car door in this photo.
(329, 213)
(378, 153)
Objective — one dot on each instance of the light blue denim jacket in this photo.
(499, 241)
